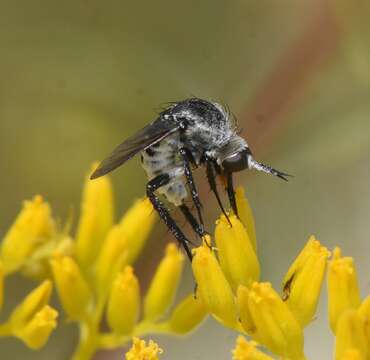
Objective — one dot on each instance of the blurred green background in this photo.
(77, 77)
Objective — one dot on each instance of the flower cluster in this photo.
(96, 284)
(228, 285)
(31, 235)
(93, 275)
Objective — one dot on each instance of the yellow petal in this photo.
(32, 227)
(37, 331)
(350, 335)
(246, 215)
(187, 315)
(164, 284)
(302, 285)
(112, 258)
(352, 354)
(245, 316)
(213, 288)
(247, 350)
(137, 223)
(364, 313)
(237, 257)
(72, 288)
(31, 304)
(141, 351)
(276, 326)
(97, 212)
(343, 291)
(124, 302)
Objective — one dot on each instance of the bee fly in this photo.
(186, 135)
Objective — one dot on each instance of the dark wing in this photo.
(149, 135)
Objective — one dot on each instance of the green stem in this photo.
(88, 342)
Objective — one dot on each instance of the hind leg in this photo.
(164, 214)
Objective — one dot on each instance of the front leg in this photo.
(151, 187)
(231, 192)
(211, 176)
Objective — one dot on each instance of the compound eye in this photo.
(236, 162)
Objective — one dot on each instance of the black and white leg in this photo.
(198, 228)
(151, 187)
(231, 192)
(193, 189)
(211, 176)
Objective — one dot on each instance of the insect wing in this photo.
(149, 135)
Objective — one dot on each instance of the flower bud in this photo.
(163, 286)
(276, 326)
(237, 257)
(112, 257)
(32, 227)
(124, 302)
(187, 315)
(350, 335)
(364, 313)
(245, 316)
(96, 219)
(247, 350)
(140, 350)
(246, 215)
(302, 284)
(37, 331)
(343, 291)
(137, 223)
(72, 288)
(31, 304)
(213, 288)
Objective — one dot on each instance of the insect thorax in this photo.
(208, 130)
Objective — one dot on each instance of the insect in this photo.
(188, 134)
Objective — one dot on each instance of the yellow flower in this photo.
(137, 223)
(352, 354)
(246, 215)
(213, 288)
(303, 281)
(164, 284)
(245, 315)
(37, 265)
(36, 332)
(276, 326)
(187, 315)
(72, 288)
(247, 350)
(141, 351)
(124, 302)
(32, 303)
(237, 257)
(96, 218)
(350, 336)
(364, 313)
(343, 291)
(32, 227)
(112, 257)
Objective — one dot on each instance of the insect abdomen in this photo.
(163, 158)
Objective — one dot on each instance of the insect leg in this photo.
(192, 186)
(231, 192)
(211, 176)
(198, 228)
(151, 187)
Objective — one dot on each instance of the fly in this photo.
(188, 134)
